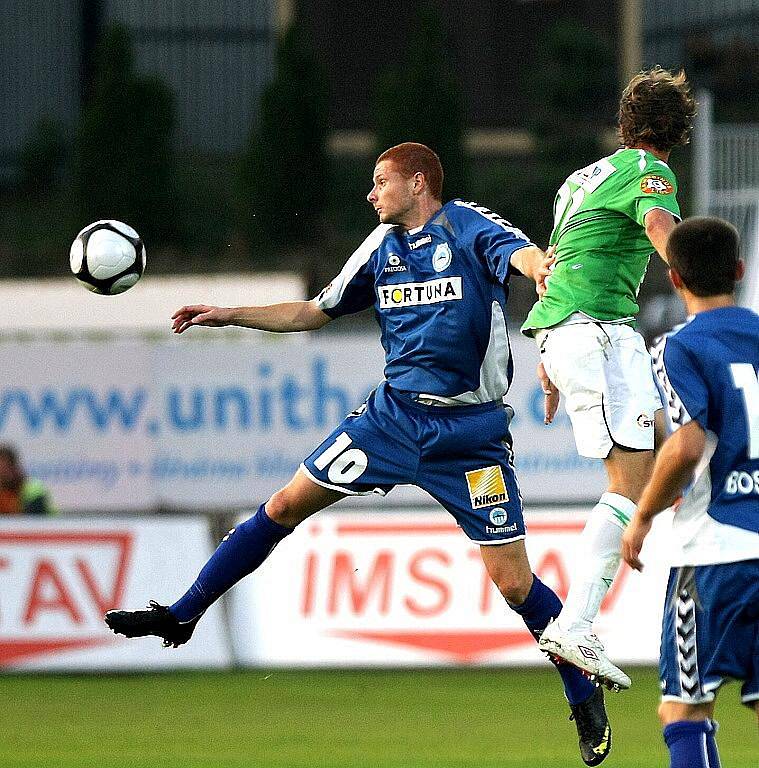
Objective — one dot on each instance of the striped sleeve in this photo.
(353, 289)
(678, 376)
(491, 237)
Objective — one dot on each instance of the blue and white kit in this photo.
(708, 372)
(438, 420)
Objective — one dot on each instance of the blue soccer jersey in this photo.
(708, 371)
(439, 294)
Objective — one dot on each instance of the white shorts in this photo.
(603, 371)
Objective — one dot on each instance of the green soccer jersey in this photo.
(602, 250)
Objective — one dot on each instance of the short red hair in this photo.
(410, 158)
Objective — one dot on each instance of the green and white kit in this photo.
(600, 364)
(601, 246)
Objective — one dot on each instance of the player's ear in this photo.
(677, 281)
(419, 182)
(740, 270)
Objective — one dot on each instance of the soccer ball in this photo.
(107, 257)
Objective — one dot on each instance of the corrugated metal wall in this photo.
(39, 69)
(215, 56)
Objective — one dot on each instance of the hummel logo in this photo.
(426, 240)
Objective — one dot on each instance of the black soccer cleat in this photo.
(156, 620)
(593, 728)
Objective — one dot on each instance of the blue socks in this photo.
(691, 744)
(536, 611)
(241, 551)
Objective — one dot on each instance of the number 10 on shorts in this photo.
(345, 465)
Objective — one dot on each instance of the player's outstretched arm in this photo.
(286, 317)
(674, 468)
(659, 223)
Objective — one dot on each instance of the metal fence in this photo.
(726, 180)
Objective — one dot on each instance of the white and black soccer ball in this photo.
(107, 257)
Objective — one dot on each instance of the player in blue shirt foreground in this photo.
(437, 276)
(708, 372)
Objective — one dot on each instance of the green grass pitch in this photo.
(500, 718)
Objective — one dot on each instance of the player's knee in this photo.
(665, 714)
(675, 711)
(514, 586)
(283, 508)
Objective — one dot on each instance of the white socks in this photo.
(599, 557)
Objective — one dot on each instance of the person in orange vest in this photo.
(19, 494)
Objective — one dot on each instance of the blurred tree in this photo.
(42, 158)
(729, 70)
(284, 177)
(125, 166)
(420, 99)
(573, 88)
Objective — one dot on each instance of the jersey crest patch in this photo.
(442, 257)
(486, 487)
(656, 185)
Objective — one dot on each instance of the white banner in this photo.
(58, 578)
(197, 424)
(390, 589)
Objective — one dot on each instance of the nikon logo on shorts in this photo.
(486, 487)
(415, 294)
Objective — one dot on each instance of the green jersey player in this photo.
(599, 233)
(608, 219)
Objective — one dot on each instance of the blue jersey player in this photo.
(437, 276)
(708, 371)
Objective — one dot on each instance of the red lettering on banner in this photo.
(101, 601)
(487, 588)
(346, 578)
(49, 593)
(551, 570)
(309, 584)
(443, 590)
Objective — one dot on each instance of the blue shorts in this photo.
(710, 632)
(460, 455)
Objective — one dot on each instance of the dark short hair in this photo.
(410, 158)
(704, 251)
(656, 108)
(9, 453)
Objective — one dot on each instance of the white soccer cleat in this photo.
(586, 652)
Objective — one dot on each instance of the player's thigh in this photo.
(710, 632)
(371, 451)
(573, 357)
(628, 471)
(604, 374)
(467, 465)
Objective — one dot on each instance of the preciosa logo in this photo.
(486, 488)
(394, 264)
